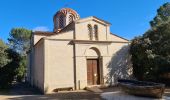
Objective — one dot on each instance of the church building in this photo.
(75, 55)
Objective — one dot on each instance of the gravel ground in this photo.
(122, 96)
(24, 92)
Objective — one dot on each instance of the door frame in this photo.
(99, 69)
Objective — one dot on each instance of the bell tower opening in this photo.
(64, 17)
(70, 19)
(61, 21)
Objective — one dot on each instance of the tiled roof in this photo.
(65, 11)
(44, 33)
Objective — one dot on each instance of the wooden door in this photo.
(93, 75)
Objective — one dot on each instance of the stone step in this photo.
(94, 89)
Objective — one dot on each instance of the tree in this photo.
(3, 55)
(151, 53)
(20, 42)
(9, 63)
(163, 15)
(21, 69)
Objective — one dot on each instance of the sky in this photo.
(129, 18)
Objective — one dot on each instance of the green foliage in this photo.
(8, 69)
(151, 53)
(20, 40)
(21, 70)
(3, 55)
(163, 15)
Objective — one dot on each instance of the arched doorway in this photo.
(93, 67)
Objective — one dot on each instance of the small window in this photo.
(96, 32)
(61, 21)
(90, 31)
(70, 18)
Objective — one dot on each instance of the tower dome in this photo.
(64, 17)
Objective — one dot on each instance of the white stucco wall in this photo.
(38, 67)
(115, 38)
(120, 65)
(58, 65)
(36, 38)
(81, 30)
(83, 52)
(55, 54)
(65, 35)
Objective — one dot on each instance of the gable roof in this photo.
(43, 33)
(101, 20)
(93, 18)
(69, 27)
(120, 37)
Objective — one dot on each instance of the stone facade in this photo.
(59, 59)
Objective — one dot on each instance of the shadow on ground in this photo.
(23, 91)
(60, 96)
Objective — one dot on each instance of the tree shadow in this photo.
(21, 88)
(120, 66)
(23, 91)
(61, 96)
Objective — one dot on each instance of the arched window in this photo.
(70, 18)
(90, 31)
(61, 21)
(96, 32)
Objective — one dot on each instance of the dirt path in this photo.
(25, 92)
(23, 89)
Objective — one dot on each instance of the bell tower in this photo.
(64, 17)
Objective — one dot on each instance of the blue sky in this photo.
(129, 18)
